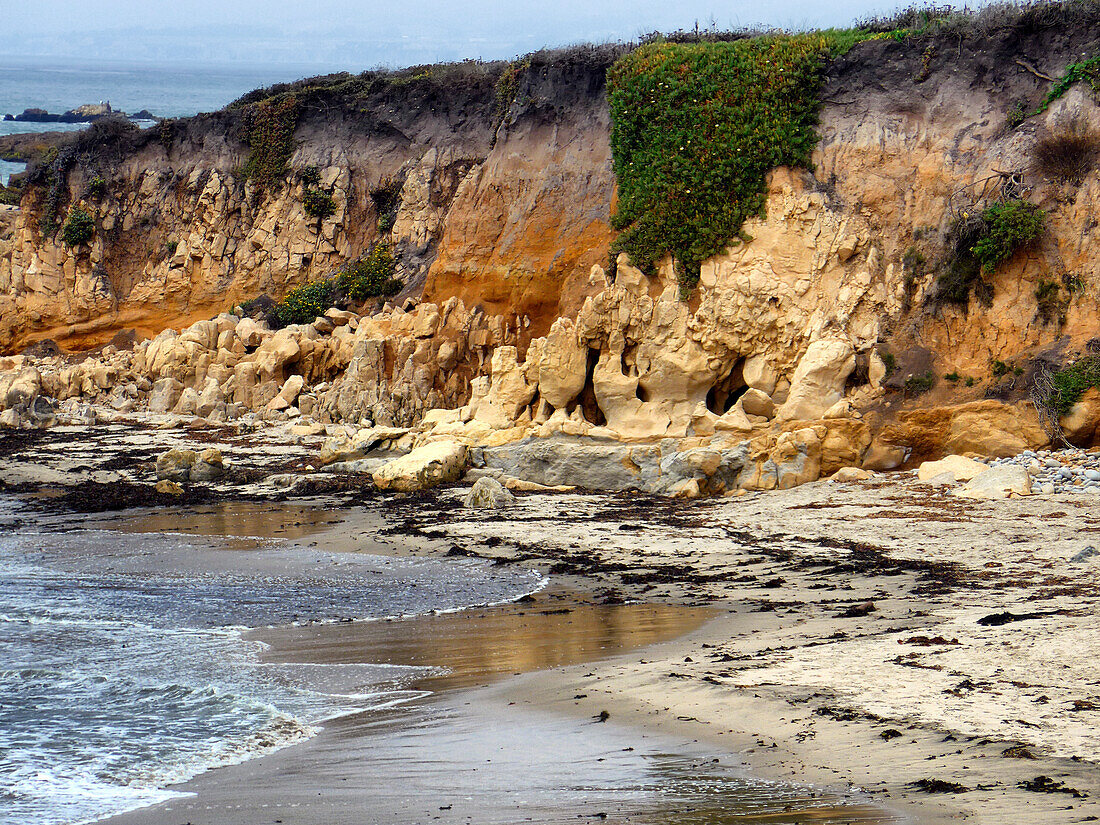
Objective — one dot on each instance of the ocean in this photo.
(124, 662)
(166, 90)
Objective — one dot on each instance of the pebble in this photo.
(1058, 471)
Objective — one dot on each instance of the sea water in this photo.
(124, 666)
(164, 89)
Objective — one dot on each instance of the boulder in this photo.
(208, 465)
(562, 460)
(488, 494)
(165, 395)
(882, 456)
(291, 388)
(960, 467)
(169, 488)
(11, 419)
(562, 364)
(759, 374)
(818, 380)
(427, 466)
(252, 333)
(19, 387)
(757, 402)
(847, 475)
(175, 465)
(1080, 423)
(42, 412)
(994, 429)
(997, 483)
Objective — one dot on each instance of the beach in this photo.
(904, 653)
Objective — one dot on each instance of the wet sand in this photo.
(465, 752)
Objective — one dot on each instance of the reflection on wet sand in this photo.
(475, 646)
(238, 522)
(462, 755)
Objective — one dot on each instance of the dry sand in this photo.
(804, 678)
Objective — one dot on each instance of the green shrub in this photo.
(1009, 226)
(1016, 115)
(1085, 71)
(978, 242)
(78, 227)
(504, 93)
(1069, 384)
(171, 247)
(97, 187)
(696, 127)
(318, 204)
(952, 376)
(919, 384)
(889, 361)
(370, 277)
(304, 303)
(11, 195)
(310, 176)
(387, 200)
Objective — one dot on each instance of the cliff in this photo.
(518, 189)
(851, 307)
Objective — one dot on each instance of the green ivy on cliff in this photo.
(696, 127)
(269, 132)
(1084, 71)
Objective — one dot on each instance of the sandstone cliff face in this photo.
(180, 234)
(522, 331)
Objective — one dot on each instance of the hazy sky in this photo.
(360, 34)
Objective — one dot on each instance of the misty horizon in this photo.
(340, 35)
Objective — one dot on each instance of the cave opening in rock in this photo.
(724, 394)
(590, 408)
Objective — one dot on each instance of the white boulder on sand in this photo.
(488, 494)
(427, 466)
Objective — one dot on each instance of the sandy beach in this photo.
(931, 655)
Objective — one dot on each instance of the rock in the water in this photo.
(960, 467)
(488, 494)
(997, 482)
(427, 466)
(175, 465)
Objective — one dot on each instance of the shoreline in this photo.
(847, 607)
